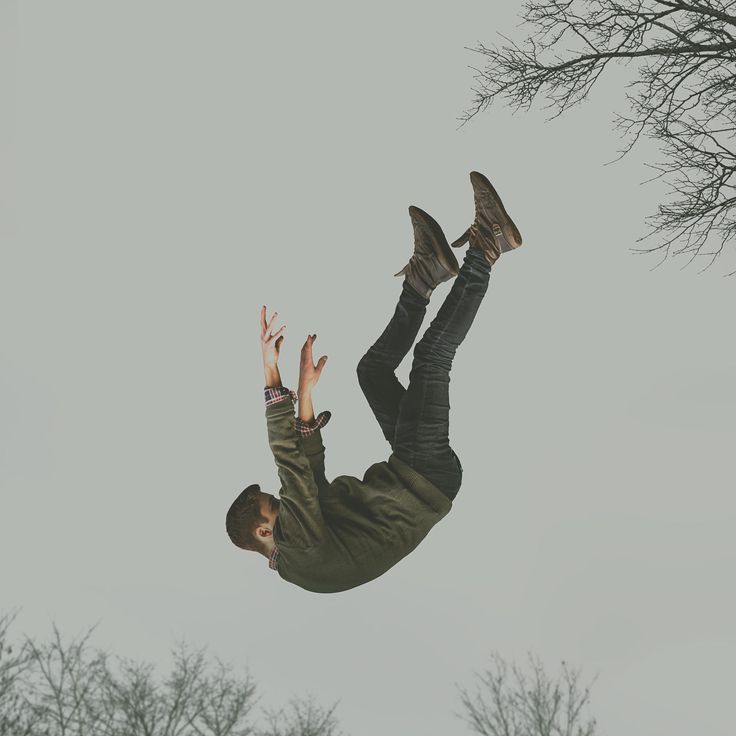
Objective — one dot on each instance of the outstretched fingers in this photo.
(321, 363)
(277, 334)
(307, 351)
(307, 347)
(266, 326)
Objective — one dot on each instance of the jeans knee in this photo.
(364, 368)
(437, 356)
(455, 479)
(453, 486)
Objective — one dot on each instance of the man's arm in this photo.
(309, 375)
(307, 427)
(270, 348)
(306, 408)
(300, 515)
(273, 377)
(312, 439)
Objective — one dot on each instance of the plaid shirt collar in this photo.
(273, 559)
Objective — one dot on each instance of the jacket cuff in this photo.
(312, 443)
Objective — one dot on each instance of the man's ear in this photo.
(264, 531)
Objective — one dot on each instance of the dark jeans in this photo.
(416, 420)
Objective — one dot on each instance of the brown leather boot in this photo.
(433, 261)
(493, 231)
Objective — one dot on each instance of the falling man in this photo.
(327, 536)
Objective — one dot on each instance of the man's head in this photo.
(251, 518)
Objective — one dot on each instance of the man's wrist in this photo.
(306, 409)
(272, 375)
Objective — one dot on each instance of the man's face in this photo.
(269, 506)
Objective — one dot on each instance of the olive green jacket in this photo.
(333, 536)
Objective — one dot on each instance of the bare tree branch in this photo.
(196, 699)
(516, 701)
(683, 97)
(303, 717)
(68, 688)
(63, 684)
(15, 720)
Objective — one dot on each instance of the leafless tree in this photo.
(303, 717)
(197, 698)
(683, 95)
(62, 685)
(515, 701)
(14, 660)
(68, 688)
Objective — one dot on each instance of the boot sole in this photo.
(444, 255)
(480, 182)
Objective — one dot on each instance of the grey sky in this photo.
(173, 166)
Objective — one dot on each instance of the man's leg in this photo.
(422, 427)
(376, 376)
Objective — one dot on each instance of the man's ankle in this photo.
(414, 294)
(477, 258)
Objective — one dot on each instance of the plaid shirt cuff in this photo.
(274, 394)
(273, 559)
(305, 428)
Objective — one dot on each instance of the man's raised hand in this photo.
(270, 341)
(309, 373)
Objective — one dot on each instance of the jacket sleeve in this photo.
(300, 516)
(314, 449)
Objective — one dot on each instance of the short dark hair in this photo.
(244, 517)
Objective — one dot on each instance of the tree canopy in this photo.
(683, 96)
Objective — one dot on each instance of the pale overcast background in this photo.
(169, 167)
